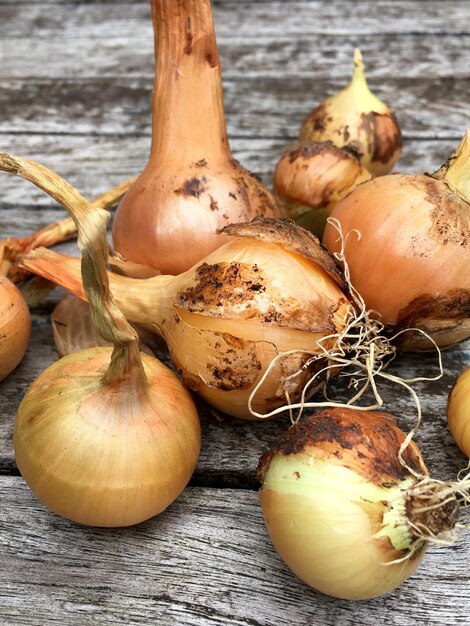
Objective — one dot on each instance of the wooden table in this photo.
(75, 82)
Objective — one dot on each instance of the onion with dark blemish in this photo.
(356, 117)
(312, 177)
(191, 186)
(343, 511)
(410, 256)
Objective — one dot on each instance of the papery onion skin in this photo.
(15, 327)
(270, 289)
(335, 502)
(356, 117)
(411, 260)
(458, 412)
(100, 455)
(311, 178)
(192, 186)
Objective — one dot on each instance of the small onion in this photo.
(458, 412)
(357, 118)
(15, 327)
(410, 255)
(311, 178)
(340, 508)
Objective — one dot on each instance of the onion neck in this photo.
(187, 108)
(456, 172)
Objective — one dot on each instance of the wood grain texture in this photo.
(206, 560)
(255, 107)
(75, 85)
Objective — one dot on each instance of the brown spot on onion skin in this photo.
(451, 214)
(193, 187)
(291, 237)
(340, 435)
(240, 291)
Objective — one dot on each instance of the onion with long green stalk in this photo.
(349, 504)
(104, 436)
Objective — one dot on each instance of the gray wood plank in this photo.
(255, 107)
(97, 163)
(207, 561)
(316, 17)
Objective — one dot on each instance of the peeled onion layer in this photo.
(411, 261)
(100, 455)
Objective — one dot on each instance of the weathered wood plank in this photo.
(262, 107)
(97, 163)
(314, 17)
(318, 56)
(208, 560)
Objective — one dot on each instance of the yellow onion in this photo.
(15, 327)
(342, 511)
(192, 185)
(311, 178)
(410, 256)
(458, 411)
(356, 117)
(271, 289)
(105, 436)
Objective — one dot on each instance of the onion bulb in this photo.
(342, 511)
(410, 255)
(311, 178)
(105, 436)
(458, 412)
(191, 185)
(267, 292)
(15, 326)
(356, 117)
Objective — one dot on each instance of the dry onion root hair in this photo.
(360, 344)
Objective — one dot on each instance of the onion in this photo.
(311, 178)
(355, 117)
(410, 255)
(105, 437)
(348, 505)
(271, 291)
(191, 186)
(458, 411)
(15, 326)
